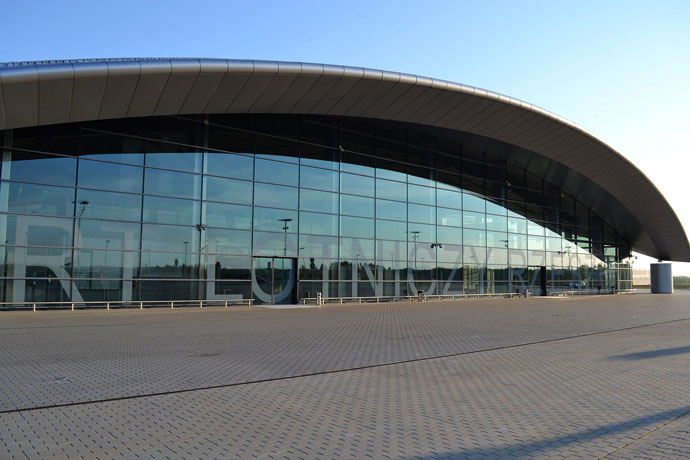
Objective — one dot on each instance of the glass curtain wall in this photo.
(282, 207)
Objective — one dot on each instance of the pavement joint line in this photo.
(333, 371)
(644, 435)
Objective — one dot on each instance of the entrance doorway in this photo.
(537, 280)
(274, 280)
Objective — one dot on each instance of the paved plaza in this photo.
(578, 377)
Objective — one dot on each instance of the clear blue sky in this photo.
(620, 69)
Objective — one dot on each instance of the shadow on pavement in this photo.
(653, 353)
(541, 447)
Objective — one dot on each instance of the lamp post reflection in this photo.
(285, 229)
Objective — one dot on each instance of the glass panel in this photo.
(182, 185)
(311, 200)
(421, 232)
(168, 290)
(37, 199)
(474, 255)
(356, 206)
(227, 215)
(449, 199)
(391, 250)
(449, 217)
(497, 223)
(534, 228)
(104, 264)
(497, 239)
(553, 244)
(277, 244)
(474, 237)
(450, 253)
(317, 269)
(36, 230)
(359, 185)
(517, 225)
(233, 191)
(355, 248)
(389, 230)
(536, 242)
(169, 238)
(391, 210)
(181, 161)
(421, 213)
(33, 167)
(108, 205)
(473, 219)
(497, 256)
(275, 220)
(422, 195)
(230, 165)
(391, 190)
(356, 227)
(169, 265)
(222, 267)
(275, 195)
(318, 246)
(323, 224)
(110, 176)
(111, 147)
(170, 211)
(96, 234)
(495, 208)
(216, 240)
(452, 235)
(321, 179)
(516, 241)
(276, 172)
(473, 203)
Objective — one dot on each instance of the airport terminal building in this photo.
(152, 179)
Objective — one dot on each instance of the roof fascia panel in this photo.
(55, 84)
(20, 93)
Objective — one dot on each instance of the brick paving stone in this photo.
(582, 397)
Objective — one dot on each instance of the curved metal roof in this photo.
(52, 92)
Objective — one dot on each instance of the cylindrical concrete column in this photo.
(661, 278)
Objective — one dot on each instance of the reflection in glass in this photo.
(421, 195)
(356, 227)
(356, 206)
(230, 165)
(227, 215)
(221, 241)
(108, 205)
(321, 179)
(275, 220)
(110, 176)
(37, 199)
(318, 246)
(232, 191)
(169, 238)
(276, 172)
(356, 185)
(275, 195)
(182, 185)
(421, 213)
(391, 190)
(393, 210)
(389, 230)
(31, 167)
(275, 244)
(95, 234)
(170, 211)
(321, 224)
(449, 199)
(311, 200)
(190, 162)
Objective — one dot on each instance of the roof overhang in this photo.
(54, 92)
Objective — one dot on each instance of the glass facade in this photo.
(281, 207)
